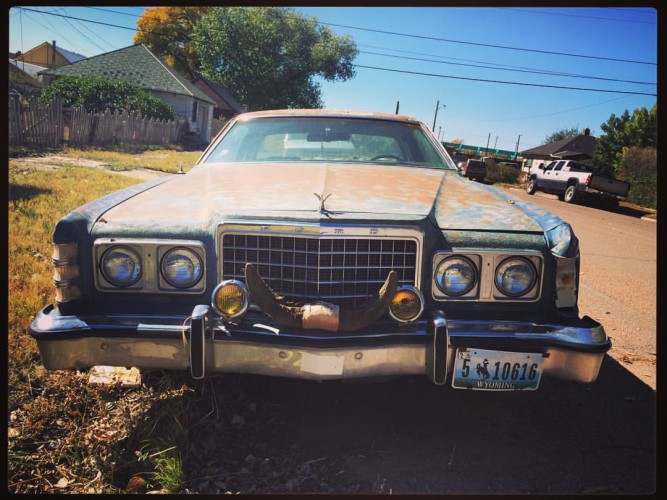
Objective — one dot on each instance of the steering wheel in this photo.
(393, 157)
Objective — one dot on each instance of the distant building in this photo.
(49, 55)
(579, 147)
(139, 66)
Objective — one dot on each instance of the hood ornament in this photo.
(323, 199)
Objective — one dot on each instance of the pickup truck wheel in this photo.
(531, 187)
(569, 194)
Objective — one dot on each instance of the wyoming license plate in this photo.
(485, 370)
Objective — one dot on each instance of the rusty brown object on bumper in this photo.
(291, 314)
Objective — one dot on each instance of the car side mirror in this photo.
(541, 167)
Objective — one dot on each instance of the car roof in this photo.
(326, 113)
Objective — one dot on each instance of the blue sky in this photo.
(612, 49)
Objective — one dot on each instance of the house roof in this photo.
(20, 77)
(135, 64)
(67, 54)
(31, 69)
(577, 147)
(224, 96)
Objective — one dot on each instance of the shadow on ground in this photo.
(265, 435)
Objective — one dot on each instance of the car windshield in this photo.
(332, 139)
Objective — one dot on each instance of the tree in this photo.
(166, 32)
(640, 130)
(98, 94)
(562, 134)
(268, 57)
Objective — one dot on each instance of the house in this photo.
(22, 82)
(139, 66)
(579, 147)
(226, 106)
(49, 55)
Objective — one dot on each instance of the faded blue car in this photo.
(321, 245)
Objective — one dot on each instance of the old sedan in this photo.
(322, 245)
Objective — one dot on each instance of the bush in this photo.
(98, 94)
(639, 167)
(502, 174)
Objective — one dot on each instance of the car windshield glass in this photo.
(278, 139)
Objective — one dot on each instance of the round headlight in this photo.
(407, 304)
(230, 299)
(181, 267)
(121, 266)
(515, 276)
(456, 276)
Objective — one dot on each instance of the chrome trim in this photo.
(419, 295)
(69, 342)
(151, 252)
(246, 296)
(324, 230)
(486, 263)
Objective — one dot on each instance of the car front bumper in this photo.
(202, 343)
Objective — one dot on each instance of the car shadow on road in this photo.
(408, 436)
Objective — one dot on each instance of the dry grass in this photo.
(63, 434)
(163, 160)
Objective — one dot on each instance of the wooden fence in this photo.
(38, 125)
(33, 124)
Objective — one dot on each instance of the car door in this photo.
(546, 177)
(558, 179)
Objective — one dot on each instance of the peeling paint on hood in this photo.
(214, 192)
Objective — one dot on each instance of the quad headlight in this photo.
(181, 267)
(515, 276)
(121, 266)
(456, 276)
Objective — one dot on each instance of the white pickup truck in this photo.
(570, 179)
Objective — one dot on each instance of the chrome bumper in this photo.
(202, 344)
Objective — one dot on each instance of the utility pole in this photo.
(495, 144)
(398, 103)
(487, 143)
(516, 151)
(437, 105)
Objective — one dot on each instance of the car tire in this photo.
(568, 196)
(531, 187)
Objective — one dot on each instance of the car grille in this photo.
(344, 271)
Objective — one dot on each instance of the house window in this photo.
(194, 111)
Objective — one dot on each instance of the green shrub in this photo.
(639, 167)
(98, 94)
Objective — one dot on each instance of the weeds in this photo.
(163, 160)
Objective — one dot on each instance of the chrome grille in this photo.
(338, 270)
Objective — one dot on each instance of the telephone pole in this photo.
(487, 143)
(398, 103)
(437, 107)
(516, 151)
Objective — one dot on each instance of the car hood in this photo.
(212, 193)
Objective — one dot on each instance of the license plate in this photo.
(484, 370)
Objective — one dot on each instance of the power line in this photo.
(454, 41)
(405, 71)
(539, 72)
(504, 82)
(533, 11)
(488, 44)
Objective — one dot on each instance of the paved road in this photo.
(618, 277)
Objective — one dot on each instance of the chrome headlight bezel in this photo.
(152, 252)
(486, 263)
(189, 255)
(131, 253)
(454, 260)
(503, 267)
